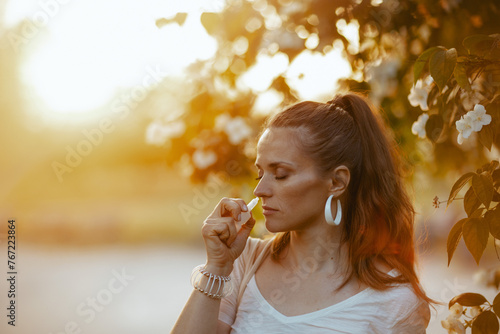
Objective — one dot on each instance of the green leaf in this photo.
(486, 136)
(422, 61)
(433, 97)
(493, 220)
(477, 213)
(485, 323)
(450, 100)
(458, 186)
(454, 238)
(441, 65)
(476, 232)
(478, 44)
(434, 127)
(490, 166)
(483, 187)
(496, 305)
(496, 175)
(468, 299)
(471, 202)
(460, 75)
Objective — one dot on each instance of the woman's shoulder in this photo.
(396, 309)
(401, 306)
(402, 293)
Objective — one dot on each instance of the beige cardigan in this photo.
(251, 258)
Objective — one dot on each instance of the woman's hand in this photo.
(223, 241)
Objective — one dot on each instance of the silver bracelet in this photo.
(221, 284)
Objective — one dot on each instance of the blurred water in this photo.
(61, 288)
(53, 284)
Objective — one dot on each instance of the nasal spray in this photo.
(245, 216)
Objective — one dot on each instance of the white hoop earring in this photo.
(328, 212)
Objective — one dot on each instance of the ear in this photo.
(339, 178)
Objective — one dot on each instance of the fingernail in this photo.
(245, 208)
(239, 217)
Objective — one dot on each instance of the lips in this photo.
(268, 210)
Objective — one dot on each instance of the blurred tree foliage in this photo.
(388, 38)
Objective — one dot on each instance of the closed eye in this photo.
(276, 177)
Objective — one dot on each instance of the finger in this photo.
(215, 232)
(224, 228)
(242, 204)
(243, 234)
(217, 210)
(231, 228)
(217, 220)
(230, 207)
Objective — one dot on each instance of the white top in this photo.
(395, 310)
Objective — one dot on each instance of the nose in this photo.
(263, 188)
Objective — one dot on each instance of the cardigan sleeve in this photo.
(241, 270)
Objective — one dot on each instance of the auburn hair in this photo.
(378, 213)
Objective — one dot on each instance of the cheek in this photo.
(304, 194)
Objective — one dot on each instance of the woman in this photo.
(350, 274)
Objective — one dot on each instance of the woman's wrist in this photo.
(212, 283)
(221, 270)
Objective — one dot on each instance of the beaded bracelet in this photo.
(224, 286)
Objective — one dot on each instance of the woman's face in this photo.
(292, 191)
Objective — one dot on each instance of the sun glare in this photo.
(89, 50)
(83, 53)
(314, 75)
(260, 76)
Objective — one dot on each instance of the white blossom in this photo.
(453, 325)
(382, 75)
(473, 121)
(203, 159)
(428, 82)
(457, 326)
(479, 117)
(418, 127)
(157, 132)
(475, 311)
(472, 97)
(456, 310)
(236, 128)
(221, 121)
(420, 92)
(464, 127)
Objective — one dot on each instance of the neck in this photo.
(317, 249)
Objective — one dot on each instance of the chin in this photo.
(275, 227)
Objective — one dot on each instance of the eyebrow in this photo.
(276, 164)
